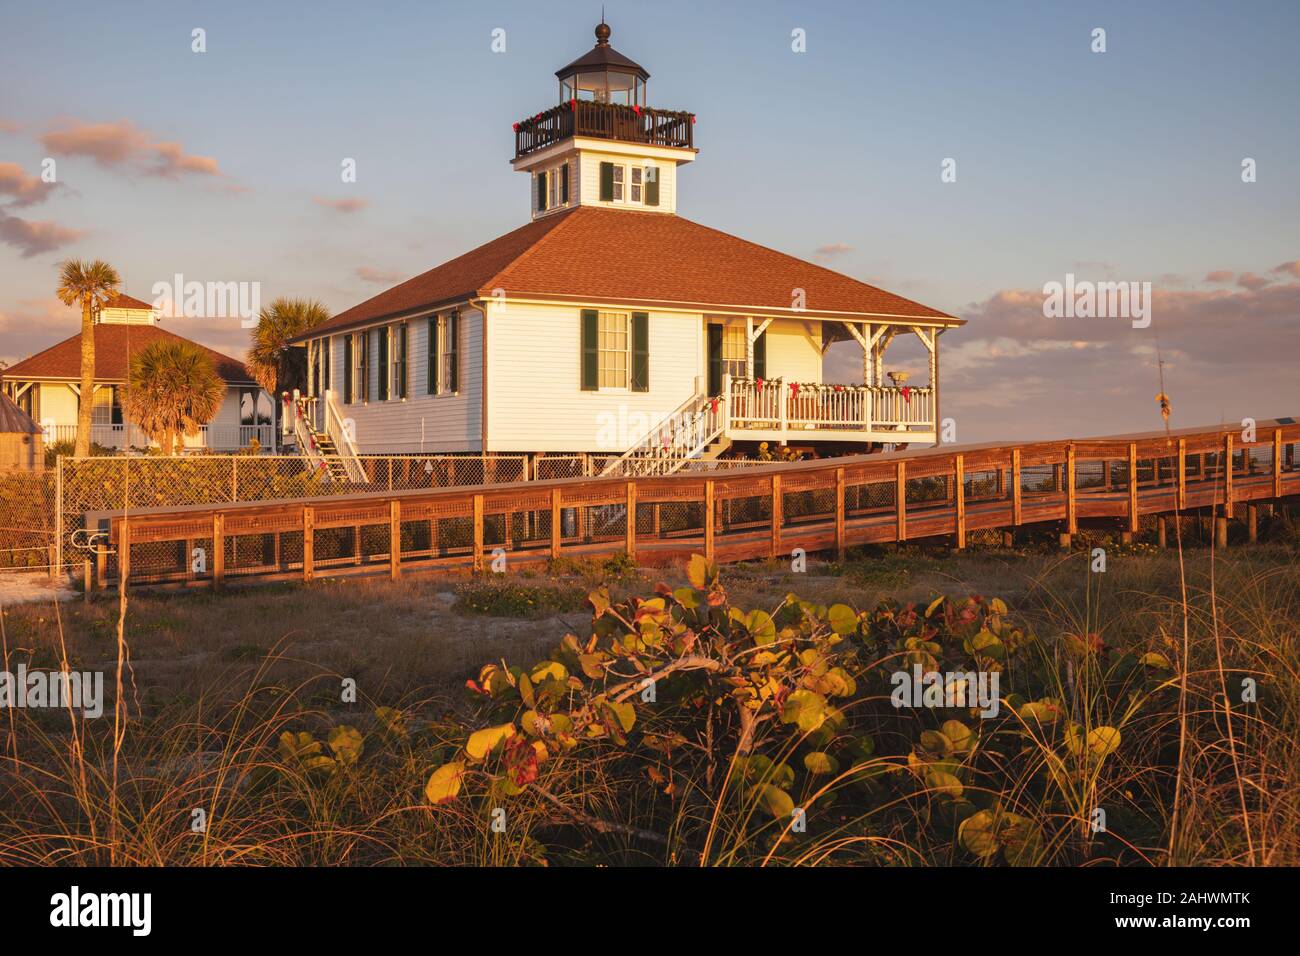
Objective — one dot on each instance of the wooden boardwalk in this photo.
(760, 512)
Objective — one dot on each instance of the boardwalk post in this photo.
(1162, 532)
(1277, 463)
(1252, 522)
(1221, 533)
(959, 495)
(1071, 506)
(394, 539)
(556, 523)
(1132, 486)
(776, 515)
(218, 549)
(1182, 474)
(308, 542)
(101, 565)
(1015, 486)
(708, 519)
(839, 514)
(631, 520)
(478, 532)
(1227, 476)
(900, 502)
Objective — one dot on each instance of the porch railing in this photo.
(129, 435)
(778, 405)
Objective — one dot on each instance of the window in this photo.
(619, 173)
(381, 349)
(444, 354)
(554, 183)
(539, 180)
(106, 409)
(359, 364)
(397, 359)
(254, 407)
(635, 195)
(734, 358)
(613, 347)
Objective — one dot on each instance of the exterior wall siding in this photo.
(422, 422)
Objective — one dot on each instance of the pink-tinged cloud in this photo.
(8, 126)
(34, 238)
(1219, 276)
(26, 190)
(124, 145)
(832, 249)
(382, 276)
(1249, 280)
(341, 205)
(1291, 268)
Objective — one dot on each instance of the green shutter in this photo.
(401, 338)
(590, 350)
(433, 355)
(564, 184)
(715, 359)
(652, 185)
(640, 352)
(381, 358)
(606, 182)
(760, 356)
(347, 369)
(365, 365)
(541, 191)
(453, 349)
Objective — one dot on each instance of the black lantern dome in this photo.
(603, 75)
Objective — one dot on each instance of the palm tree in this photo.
(173, 390)
(277, 366)
(91, 285)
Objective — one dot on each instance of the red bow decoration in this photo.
(714, 403)
(839, 388)
(759, 384)
(794, 388)
(573, 103)
(907, 393)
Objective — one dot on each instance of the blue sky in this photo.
(1121, 165)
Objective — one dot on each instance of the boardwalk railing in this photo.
(751, 513)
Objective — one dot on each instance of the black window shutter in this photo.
(453, 349)
(541, 191)
(433, 355)
(590, 350)
(347, 369)
(640, 352)
(652, 185)
(606, 182)
(715, 359)
(364, 344)
(760, 356)
(328, 343)
(381, 361)
(402, 339)
(564, 184)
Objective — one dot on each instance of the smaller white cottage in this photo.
(47, 386)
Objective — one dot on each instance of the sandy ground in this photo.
(24, 587)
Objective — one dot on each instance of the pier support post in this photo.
(1252, 523)
(1221, 533)
(1162, 532)
(1066, 540)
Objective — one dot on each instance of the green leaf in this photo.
(624, 712)
(819, 762)
(944, 783)
(997, 606)
(484, 741)
(806, 709)
(391, 721)
(1022, 840)
(843, 619)
(599, 600)
(977, 836)
(936, 742)
(1152, 659)
(549, 670)
(1103, 741)
(444, 783)
(761, 627)
(701, 572)
(961, 736)
(687, 598)
(346, 744)
(934, 605)
(774, 800)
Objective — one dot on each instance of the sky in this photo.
(1122, 165)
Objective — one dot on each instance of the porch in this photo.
(775, 410)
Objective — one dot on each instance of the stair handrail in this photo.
(675, 439)
(299, 425)
(336, 426)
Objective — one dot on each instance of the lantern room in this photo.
(603, 75)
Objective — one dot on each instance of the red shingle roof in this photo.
(114, 345)
(124, 301)
(595, 254)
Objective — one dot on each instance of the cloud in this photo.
(1291, 268)
(1249, 280)
(1219, 276)
(35, 238)
(8, 126)
(123, 145)
(341, 205)
(384, 277)
(832, 249)
(35, 324)
(26, 190)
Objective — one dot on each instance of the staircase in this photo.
(330, 448)
(695, 431)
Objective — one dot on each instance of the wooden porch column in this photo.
(839, 513)
(308, 543)
(557, 521)
(1132, 486)
(959, 495)
(776, 515)
(394, 539)
(1015, 486)
(708, 519)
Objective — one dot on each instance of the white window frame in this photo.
(620, 182)
(553, 187)
(636, 185)
(448, 355)
(733, 334)
(395, 366)
(602, 350)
